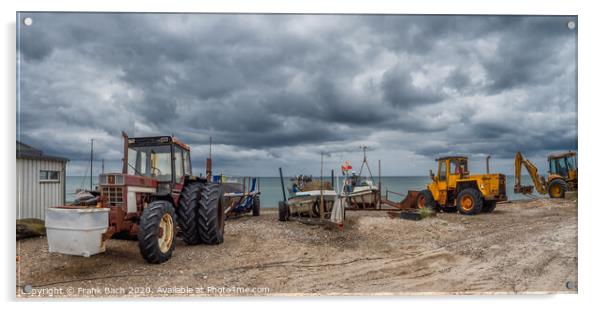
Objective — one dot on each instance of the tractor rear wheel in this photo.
(282, 211)
(557, 188)
(187, 213)
(256, 206)
(469, 202)
(157, 236)
(210, 215)
(488, 206)
(425, 200)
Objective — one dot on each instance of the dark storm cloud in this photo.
(267, 87)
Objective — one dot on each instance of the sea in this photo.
(271, 190)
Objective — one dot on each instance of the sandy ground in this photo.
(522, 247)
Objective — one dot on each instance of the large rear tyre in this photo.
(156, 236)
(557, 188)
(425, 200)
(187, 213)
(469, 202)
(256, 206)
(488, 206)
(282, 211)
(210, 215)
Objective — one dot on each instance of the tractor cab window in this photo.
(458, 167)
(187, 167)
(178, 163)
(558, 166)
(571, 163)
(150, 161)
(137, 164)
(442, 170)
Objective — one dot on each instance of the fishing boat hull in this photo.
(307, 203)
(362, 198)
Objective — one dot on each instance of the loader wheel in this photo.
(187, 213)
(469, 202)
(557, 188)
(210, 215)
(282, 211)
(488, 206)
(157, 237)
(425, 200)
(256, 206)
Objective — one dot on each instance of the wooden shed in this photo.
(40, 181)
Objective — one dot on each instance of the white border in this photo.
(589, 89)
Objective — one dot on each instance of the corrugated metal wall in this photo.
(33, 196)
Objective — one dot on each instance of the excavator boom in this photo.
(538, 182)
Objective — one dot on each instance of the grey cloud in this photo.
(279, 83)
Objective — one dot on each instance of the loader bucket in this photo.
(410, 201)
(523, 189)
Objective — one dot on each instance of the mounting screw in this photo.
(27, 289)
(571, 25)
(570, 285)
(27, 21)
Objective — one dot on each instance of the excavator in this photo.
(562, 176)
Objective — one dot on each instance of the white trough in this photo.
(76, 231)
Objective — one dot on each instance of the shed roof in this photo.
(29, 152)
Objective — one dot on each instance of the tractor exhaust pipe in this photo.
(487, 159)
(124, 170)
(209, 163)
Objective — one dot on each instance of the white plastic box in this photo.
(76, 231)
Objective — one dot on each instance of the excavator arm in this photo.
(538, 181)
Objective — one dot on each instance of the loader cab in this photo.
(162, 158)
(564, 165)
(452, 168)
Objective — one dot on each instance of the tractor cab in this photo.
(564, 165)
(164, 159)
(450, 169)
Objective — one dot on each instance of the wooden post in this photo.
(282, 184)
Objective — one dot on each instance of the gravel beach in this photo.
(525, 246)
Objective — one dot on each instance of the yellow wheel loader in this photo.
(562, 176)
(455, 189)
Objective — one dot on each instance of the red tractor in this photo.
(155, 190)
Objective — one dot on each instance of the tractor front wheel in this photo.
(469, 202)
(557, 188)
(156, 236)
(210, 216)
(425, 200)
(187, 213)
(256, 206)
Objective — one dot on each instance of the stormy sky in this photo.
(279, 90)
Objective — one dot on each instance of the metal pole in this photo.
(282, 184)
(321, 186)
(488, 157)
(91, 160)
(332, 177)
(379, 186)
(103, 166)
